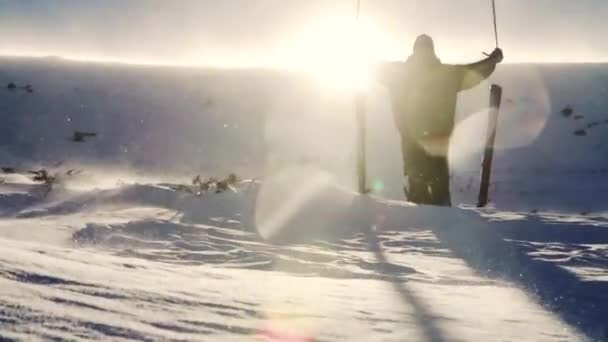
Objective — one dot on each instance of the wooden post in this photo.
(486, 165)
(361, 138)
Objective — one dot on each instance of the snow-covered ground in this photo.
(119, 249)
(147, 262)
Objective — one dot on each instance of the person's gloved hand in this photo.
(497, 55)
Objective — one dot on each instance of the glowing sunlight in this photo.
(337, 51)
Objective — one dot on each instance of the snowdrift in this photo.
(315, 228)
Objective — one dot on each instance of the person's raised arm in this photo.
(475, 73)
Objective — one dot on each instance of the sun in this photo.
(338, 52)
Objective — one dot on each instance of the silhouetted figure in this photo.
(80, 136)
(423, 94)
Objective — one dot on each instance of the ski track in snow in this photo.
(147, 262)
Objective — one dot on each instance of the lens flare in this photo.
(300, 203)
(524, 113)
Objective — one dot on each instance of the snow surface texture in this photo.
(147, 262)
(120, 251)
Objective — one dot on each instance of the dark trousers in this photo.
(428, 175)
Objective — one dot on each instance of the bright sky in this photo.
(297, 33)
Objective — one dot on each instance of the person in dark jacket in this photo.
(423, 92)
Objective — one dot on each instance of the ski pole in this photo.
(495, 99)
(486, 164)
(361, 132)
(495, 26)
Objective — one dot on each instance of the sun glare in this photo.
(338, 52)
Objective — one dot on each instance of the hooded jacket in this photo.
(424, 92)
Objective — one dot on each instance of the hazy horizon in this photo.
(270, 33)
(220, 67)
